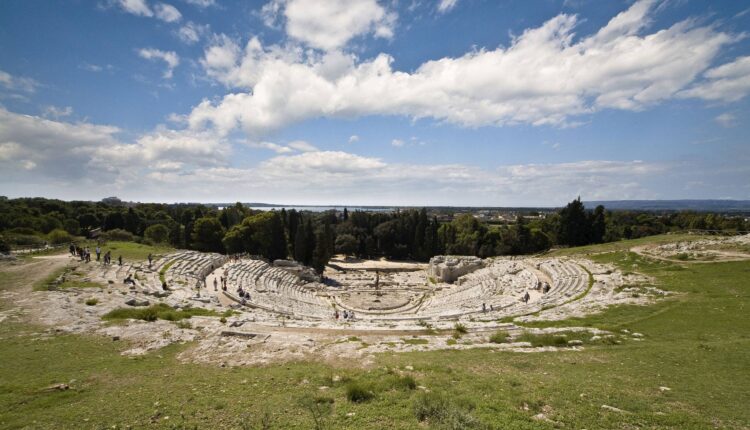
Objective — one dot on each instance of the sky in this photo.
(375, 102)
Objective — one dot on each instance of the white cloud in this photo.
(202, 3)
(729, 82)
(279, 149)
(162, 11)
(169, 57)
(397, 143)
(331, 24)
(136, 7)
(302, 146)
(543, 77)
(167, 12)
(291, 147)
(81, 160)
(16, 83)
(446, 5)
(726, 120)
(191, 32)
(353, 138)
(57, 112)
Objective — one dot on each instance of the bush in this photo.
(460, 328)
(499, 337)
(91, 302)
(545, 339)
(358, 393)
(4, 246)
(118, 234)
(59, 236)
(157, 233)
(406, 382)
(436, 409)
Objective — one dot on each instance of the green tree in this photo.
(207, 235)
(157, 233)
(346, 244)
(574, 228)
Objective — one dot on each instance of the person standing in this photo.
(98, 252)
(119, 259)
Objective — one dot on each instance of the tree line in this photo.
(312, 238)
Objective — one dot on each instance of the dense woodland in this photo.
(312, 238)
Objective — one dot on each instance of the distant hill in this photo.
(674, 205)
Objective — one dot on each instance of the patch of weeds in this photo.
(319, 407)
(354, 339)
(405, 382)
(91, 302)
(415, 341)
(460, 328)
(451, 341)
(499, 337)
(357, 392)
(438, 410)
(184, 324)
(158, 311)
(544, 339)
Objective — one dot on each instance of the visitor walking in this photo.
(98, 252)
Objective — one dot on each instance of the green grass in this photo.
(546, 339)
(499, 337)
(49, 281)
(132, 251)
(164, 269)
(697, 342)
(79, 284)
(159, 311)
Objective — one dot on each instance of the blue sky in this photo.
(408, 102)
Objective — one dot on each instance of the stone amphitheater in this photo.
(446, 290)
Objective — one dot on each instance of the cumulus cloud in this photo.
(202, 3)
(353, 138)
(167, 12)
(726, 120)
(78, 160)
(291, 147)
(191, 32)
(57, 112)
(162, 11)
(728, 83)
(446, 5)
(17, 83)
(169, 57)
(331, 24)
(545, 76)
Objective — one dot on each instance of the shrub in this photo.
(545, 339)
(4, 246)
(406, 382)
(438, 410)
(118, 234)
(157, 233)
(91, 302)
(184, 324)
(499, 337)
(451, 341)
(58, 236)
(460, 328)
(357, 392)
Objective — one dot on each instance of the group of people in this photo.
(223, 282)
(345, 315)
(85, 254)
(544, 287)
(484, 307)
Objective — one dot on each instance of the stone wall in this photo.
(448, 268)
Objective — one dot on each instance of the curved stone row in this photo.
(495, 289)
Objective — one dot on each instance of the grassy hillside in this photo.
(690, 371)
